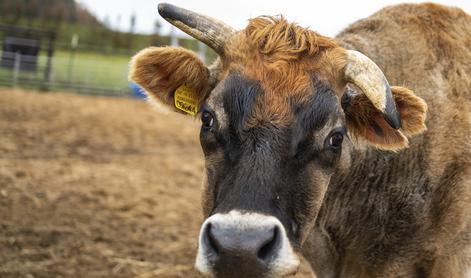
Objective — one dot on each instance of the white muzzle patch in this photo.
(284, 262)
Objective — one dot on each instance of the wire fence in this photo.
(70, 70)
(32, 58)
(86, 73)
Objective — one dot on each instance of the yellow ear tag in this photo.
(186, 100)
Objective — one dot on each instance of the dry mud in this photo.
(97, 187)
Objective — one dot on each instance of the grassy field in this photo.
(84, 69)
(101, 62)
(91, 68)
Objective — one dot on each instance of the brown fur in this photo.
(426, 48)
(364, 121)
(281, 42)
(283, 57)
(402, 214)
(161, 70)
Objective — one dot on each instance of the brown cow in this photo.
(310, 152)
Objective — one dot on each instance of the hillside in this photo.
(46, 13)
(68, 17)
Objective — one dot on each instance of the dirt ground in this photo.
(97, 187)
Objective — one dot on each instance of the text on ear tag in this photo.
(186, 100)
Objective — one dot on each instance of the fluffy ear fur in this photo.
(161, 70)
(364, 121)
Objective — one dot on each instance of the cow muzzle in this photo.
(239, 244)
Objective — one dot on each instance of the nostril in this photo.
(268, 248)
(211, 241)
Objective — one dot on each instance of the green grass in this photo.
(97, 69)
(90, 69)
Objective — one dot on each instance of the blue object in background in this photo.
(137, 91)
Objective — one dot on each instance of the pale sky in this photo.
(327, 17)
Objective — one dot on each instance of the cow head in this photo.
(282, 109)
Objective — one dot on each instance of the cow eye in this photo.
(207, 120)
(336, 139)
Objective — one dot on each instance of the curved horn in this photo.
(212, 32)
(366, 75)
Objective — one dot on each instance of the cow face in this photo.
(281, 111)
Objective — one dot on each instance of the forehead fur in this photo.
(283, 57)
(280, 41)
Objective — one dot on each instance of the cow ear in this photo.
(365, 121)
(161, 71)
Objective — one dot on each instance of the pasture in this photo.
(92, 68)
(74, 71)
(97, 187)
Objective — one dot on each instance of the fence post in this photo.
(16, 69)
(48, 70)
(73, 47)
